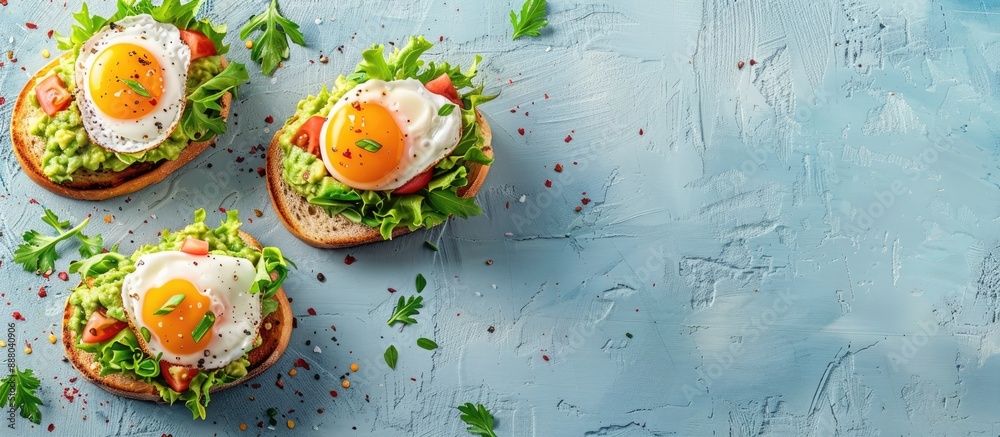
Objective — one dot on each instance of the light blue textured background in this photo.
(804, 246)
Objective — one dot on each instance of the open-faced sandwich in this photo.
(199, 311)
(135, 97)
(393, 147)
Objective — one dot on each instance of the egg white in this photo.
(428, 137)
(225, 280)
(164, 42)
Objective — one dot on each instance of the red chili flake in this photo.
(41, 292)
(47, 274)
(585, 200)
(753, 62)
(545, 357)
(578, 209)
(333, 393)
(347, 154)
(49, 33)
(280, 384)
(513, 111)
(70, 393)
(491, 329)
(52, 427)
(506, 205)
(441, 38)
(222, 210)
(33, 201)
(559, 168)
(640, 131)
(72, 380)
(302, 362)
(240, 159)
(546, 96)
(312, 312)
(568, 138)
(31, 25)
(740, 65)
(18, 316)
(269, 119)
(152, 102)
(392, 290)
(548, 183)
(3, 2)
(2, 100)
(520, 130)
(261, 171)
(349, 260)
(356, 105)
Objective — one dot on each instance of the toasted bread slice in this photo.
(86, 184)
(314, 226)
(273, 344)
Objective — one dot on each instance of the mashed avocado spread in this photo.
(68, 148)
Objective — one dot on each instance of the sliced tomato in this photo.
(308, 135)
(443, 86)
(52, 95)
(100, 327)
(199, 44)
(419, 181)
(177, 377)
(194, 246)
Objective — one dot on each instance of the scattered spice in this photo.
(107, 218)
(292, 372)
(753, 62)
(52, 338)
(302, 363)
(64, 276)
(17, 316)
(349, 260)
(243, 427)
(346, 384)
(520, 130)
(545, 357)
(491, 329)
(249, 44)
(740, 65)
(31, 25)
(578, 209)
(291, 424)
(42, 292)
(489, 262)
(354, 367)
(548, 183)
(333, 393)
(559, 168)
(320, 277)
(568, 138)
(324, 59)
(640, 132)
(628, 334)
(46, 54)
(269, 119)
(391, 290)
(585, 200)
(311, 311)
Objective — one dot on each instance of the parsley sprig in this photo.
(271, 47)
(406, 309)
(23, 384)
(38, 252)
(478, 418)
(532, 19)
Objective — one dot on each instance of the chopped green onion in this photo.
(431, 246)
(446, 109)
(170, 306)
(369, 145)
(203, 326)
(137, 87)
(145, 333)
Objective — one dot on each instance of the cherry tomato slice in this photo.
(443, 86)
(199, 44)
(177, 377)
(52, 95)
(194, 246)
(308, 135)
(413, 185)
(100, 327)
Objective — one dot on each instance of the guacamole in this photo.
(68, 148)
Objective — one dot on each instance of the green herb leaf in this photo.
(137, 87)
(203, 326)
(478, 418)
(421, 282)
(391, 356)
(145, 333)
(446, 109)
(271, 47)
(98, 264)
(532, 19)
(406, 309)
(23, 384)
(369, 145)
(38, 252)
(427, 343)
(90, 246)
(628, 334)
(271, 262)
(170, 306)
(202, 119)
(449, 203)
(430, 245)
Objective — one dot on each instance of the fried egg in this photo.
(131, 78)
(217, 283)
(401, 120)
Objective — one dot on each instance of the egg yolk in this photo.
(175, 329)
(114, 70)
(348, 129)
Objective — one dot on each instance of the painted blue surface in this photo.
(804, 246)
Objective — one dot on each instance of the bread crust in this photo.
(315, 227)
(86, 184)
(274, 341)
